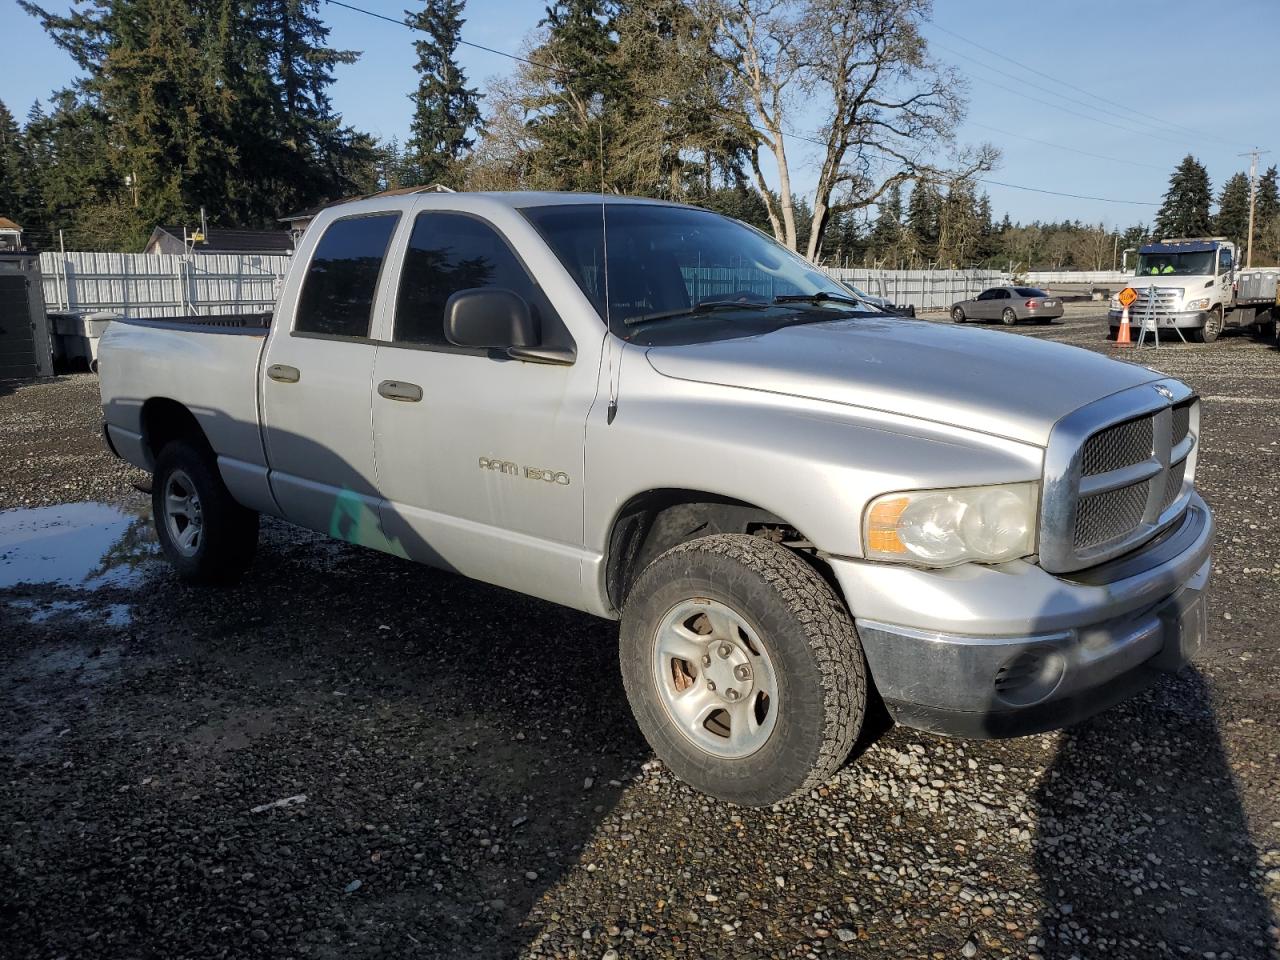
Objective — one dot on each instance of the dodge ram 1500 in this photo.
(796, 504)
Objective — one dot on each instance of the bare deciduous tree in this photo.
(890, 110)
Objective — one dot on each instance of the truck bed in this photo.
(208, 364)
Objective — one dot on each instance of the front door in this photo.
(317, 385)
(480, 457)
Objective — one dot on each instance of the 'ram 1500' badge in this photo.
(529, 473)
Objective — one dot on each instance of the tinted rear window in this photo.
(1029, 292)
(337, 294)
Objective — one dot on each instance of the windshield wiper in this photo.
(707, 306)
(821, 297)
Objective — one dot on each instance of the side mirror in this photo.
(492, 317)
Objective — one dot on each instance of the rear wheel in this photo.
(1008, 317)
(957, 315)
(743, 669)
(204, 533)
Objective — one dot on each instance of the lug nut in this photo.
(725, 651)
(742, 672)
(732, 694)
(706, 659)
(711, 685)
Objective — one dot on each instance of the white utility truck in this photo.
(1196, 286)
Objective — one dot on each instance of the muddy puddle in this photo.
(86, 546)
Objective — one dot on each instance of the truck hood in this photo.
(1005, 385)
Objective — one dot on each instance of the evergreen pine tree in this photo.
(887, 232)
(923, 211)
(1185, 211)
(1267, 201)
(445, 108)
(11, 169)
(579, 106)
(1232, 220)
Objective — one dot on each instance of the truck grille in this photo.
(1168, 300)
(1109, 489)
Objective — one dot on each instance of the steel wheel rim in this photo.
(715, 679)
(183, 517)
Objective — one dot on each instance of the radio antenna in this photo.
(604, 243)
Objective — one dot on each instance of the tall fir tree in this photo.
(11, 169)
(445, 109)
(221, 104)
(886, 234)
(923, 211)
(1232, 219)
(1185, 211)
(576, 117)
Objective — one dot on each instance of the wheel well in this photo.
(653, 522)
(165, 420)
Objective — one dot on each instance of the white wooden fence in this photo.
(923, 289)
(161, 285)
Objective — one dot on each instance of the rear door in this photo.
(317, 384)
(479, 457)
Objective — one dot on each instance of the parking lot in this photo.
(350, 756)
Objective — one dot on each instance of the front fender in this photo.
(812, 463)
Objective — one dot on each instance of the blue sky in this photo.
(1183, 62)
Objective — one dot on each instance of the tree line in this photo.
(224, 105)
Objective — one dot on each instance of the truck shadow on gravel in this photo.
(345, 755)
(1143, 845)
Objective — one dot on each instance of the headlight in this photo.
(940, 528)
(1197, 304)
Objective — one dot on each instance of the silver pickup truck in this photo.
(798, 506)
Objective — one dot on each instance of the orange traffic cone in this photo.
(1122, 338)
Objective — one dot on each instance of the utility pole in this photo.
(1253, 197)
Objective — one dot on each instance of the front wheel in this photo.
(743, 669)
(957, 315)
(1008, 317)
(204, 533)
(1211, 330)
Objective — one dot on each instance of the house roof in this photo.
(7, 224)
(310, 212)
(219, 240)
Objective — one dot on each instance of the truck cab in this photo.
(1186, 284)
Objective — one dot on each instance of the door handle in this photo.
(283, 373)
(399, 390)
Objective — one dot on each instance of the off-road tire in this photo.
(1008, 317)
(818, 661)
(957, 315)
(229, 532)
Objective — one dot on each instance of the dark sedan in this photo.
(1009, 305)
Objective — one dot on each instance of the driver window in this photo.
(1002, 295)
(449, 252)
(987, 295)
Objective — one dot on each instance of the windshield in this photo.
(1199, 263)
(672, 265)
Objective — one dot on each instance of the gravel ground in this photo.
(460, 776)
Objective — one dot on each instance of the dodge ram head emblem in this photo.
(1164, 391)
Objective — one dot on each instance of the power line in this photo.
(1008, 59)
(1074, 196)
(667, 103)
(1125, 127)
(1063, 146)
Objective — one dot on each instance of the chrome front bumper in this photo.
(1184, 319)
(1009, 650)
